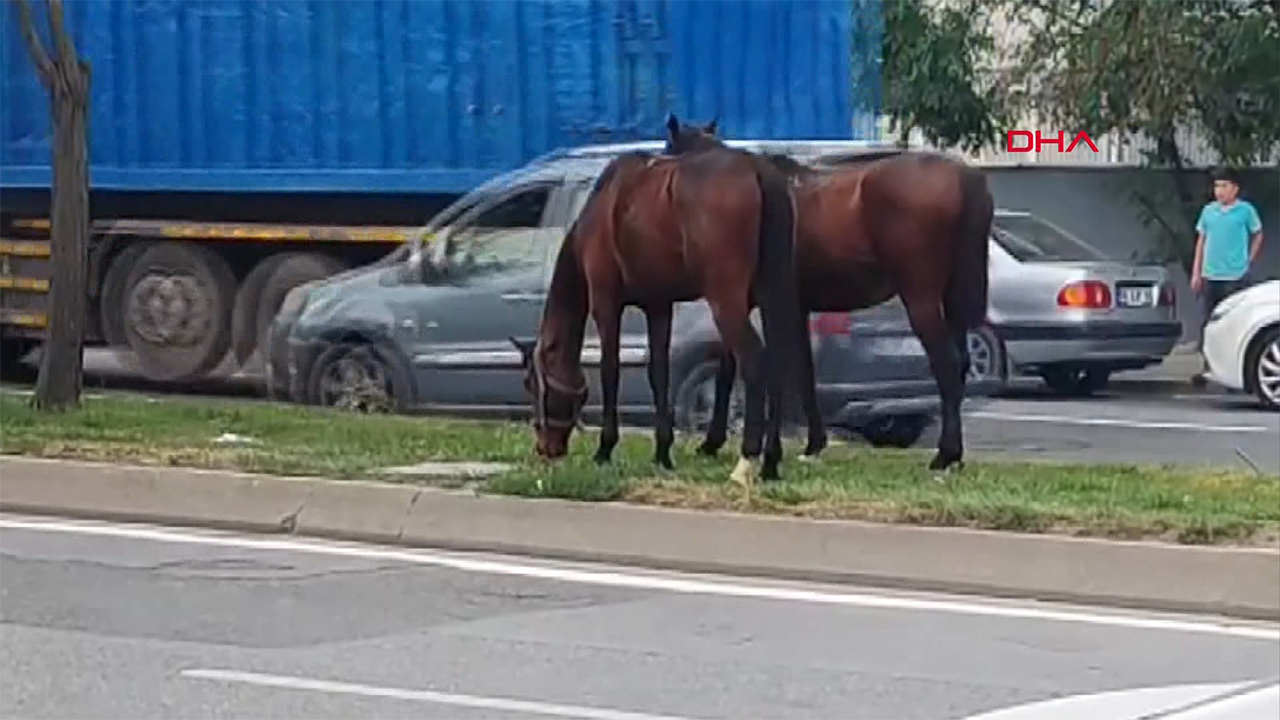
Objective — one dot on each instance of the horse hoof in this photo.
(602, 459)
(664, 463)
(746, 472)
(809, 457)
(946, 463)
(708, 450)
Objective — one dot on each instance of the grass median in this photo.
(1121, 501)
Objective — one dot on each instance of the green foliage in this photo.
(929, 70)
(1151, 67)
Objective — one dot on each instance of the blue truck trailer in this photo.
(241, 147)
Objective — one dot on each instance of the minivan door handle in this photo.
(524, 296)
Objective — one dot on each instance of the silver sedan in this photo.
(1060, 309)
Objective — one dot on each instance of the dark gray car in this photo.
(401, 335)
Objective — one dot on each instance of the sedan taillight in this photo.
(831, 323)
(1088, 294)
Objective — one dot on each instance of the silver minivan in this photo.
(398, 335)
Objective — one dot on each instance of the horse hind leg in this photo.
(945, 362)
(817, 441)
(736, 333)
(659, 378)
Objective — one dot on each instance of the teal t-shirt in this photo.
(1226, 238)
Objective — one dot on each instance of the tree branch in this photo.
(58, 28)
(44, 66)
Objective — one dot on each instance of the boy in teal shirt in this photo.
(1229, 237)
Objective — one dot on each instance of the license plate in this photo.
(1136, 296)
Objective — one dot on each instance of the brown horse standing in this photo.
(912, 224)
(656, 231)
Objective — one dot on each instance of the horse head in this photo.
(557, 406)
(683, 139)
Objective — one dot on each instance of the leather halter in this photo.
(543, 384)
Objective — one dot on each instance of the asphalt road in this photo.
(101, 620)
(1224, 430)
(1218, 430)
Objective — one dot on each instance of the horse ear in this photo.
(673, 125)
(525, 347)
(711, 126)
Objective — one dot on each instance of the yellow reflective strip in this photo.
(24, 248)
(25, 319)
(24, 283)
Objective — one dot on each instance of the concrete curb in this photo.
(1241, 582)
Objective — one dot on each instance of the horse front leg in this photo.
(944, 361)
(718, 428)
(608, 324)
(659, 317)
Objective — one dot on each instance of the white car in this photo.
(1242, 342)
(1210, 701)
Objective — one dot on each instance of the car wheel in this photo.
(695, 400)
(899, 431)
(986, 356)
(361, 378)
(1076, 381)
(1262, 367)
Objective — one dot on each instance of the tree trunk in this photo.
(66, 78)
(1167, 147)
(62, 360)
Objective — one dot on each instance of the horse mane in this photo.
(859, 158)
(787, 164)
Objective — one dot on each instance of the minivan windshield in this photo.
(1032, 239)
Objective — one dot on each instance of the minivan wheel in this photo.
(359, 377)
(695, 399)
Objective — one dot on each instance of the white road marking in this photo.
(291, 682)
(1118, 422)
(668, 583)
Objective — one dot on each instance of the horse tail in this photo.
(777, 291)
(965, 300)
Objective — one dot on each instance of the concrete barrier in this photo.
(1242, 582)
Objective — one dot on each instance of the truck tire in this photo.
(177, 310)
(294, 269)
(111, 299)
(245, 334)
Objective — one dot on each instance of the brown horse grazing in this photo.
(656, 231)
(910, 224)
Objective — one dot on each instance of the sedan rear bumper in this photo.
(1112, 345)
